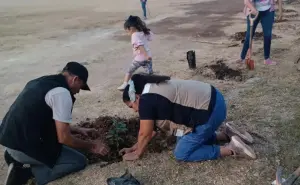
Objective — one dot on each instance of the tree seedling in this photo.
(114, 134)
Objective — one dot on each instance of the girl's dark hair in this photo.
(140, 80)
(137, 23)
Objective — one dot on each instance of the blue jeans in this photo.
(69, 161)
(198, 145)
(267, 19)
(144, 3)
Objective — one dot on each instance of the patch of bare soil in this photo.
(287, 13)
(201, 23)
(276, 52)
(219, 70)
(282, 20)
(240, 36)
(120, 133)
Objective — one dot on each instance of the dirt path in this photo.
(264, 102)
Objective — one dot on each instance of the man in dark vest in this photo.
(36, 130)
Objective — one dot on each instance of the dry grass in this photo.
(268, 106)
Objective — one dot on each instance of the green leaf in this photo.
(120, 139)
(123, 126)
(122, 130)
(111, 132)
(109, 136)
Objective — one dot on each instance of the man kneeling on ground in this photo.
(36, 130)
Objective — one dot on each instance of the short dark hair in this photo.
(140, 80)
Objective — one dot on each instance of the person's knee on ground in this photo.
(44, 175)
(199, 154)
(180, 155)
(81, 163)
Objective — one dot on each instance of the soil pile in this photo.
(104, 126)
(219, 70)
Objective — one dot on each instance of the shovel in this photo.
(249, 61)
(290, 180)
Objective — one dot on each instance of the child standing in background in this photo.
(144, 8)
(140, 36)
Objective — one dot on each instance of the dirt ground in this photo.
(39, 37)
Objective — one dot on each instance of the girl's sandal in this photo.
(270, 62)
(241, 64)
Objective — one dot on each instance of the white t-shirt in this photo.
(60, 101)
(262, 5)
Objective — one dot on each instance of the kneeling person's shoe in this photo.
(240, 149)
(12, 175)
(17, 175)
(232, 130)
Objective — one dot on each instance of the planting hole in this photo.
(240, 36)
(121, 133)
(219, 70)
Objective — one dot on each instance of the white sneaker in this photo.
(239, 148)
(233, 130)
(123, 86)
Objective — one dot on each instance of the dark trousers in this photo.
(69, 161)
(198, 145)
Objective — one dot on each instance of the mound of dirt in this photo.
(104, 124)
(219, 70)
(279, 21)
(240, 36)
(287, 11)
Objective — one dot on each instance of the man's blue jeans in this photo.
(267, 19)
(69, 161)
(144, 4)
(198, 145)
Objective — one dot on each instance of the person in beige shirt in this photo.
(190, 110)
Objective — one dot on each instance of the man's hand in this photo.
(130, 156)
(149, 58)
(126, 151)
(88, 131)
(100, 148)
(65, 137)
(254, 12)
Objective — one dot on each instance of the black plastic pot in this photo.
(191, 58)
